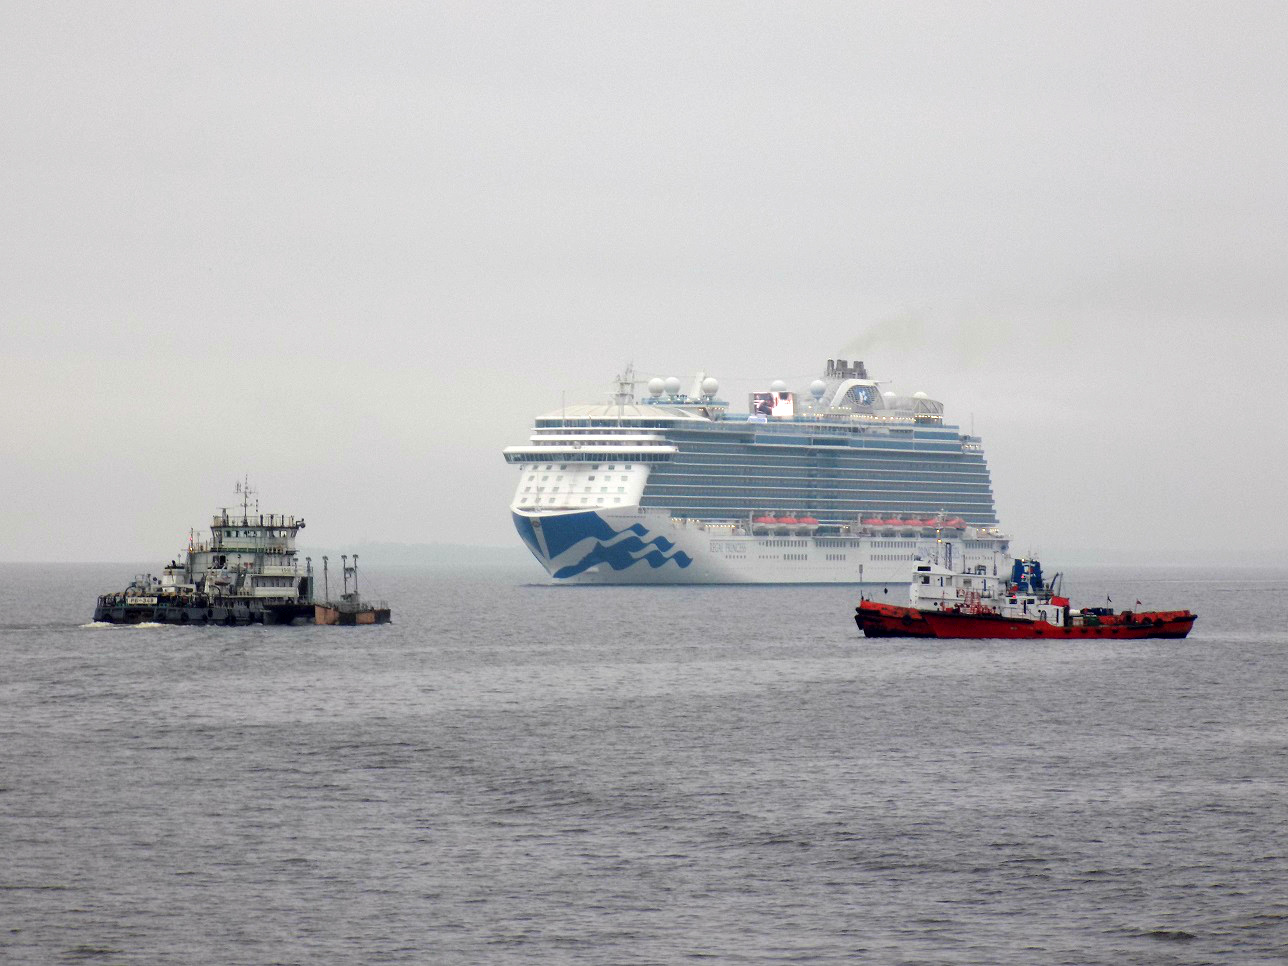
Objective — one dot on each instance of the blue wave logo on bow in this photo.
(619, 549)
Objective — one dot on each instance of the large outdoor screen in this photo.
(773, 404)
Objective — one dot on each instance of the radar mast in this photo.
(248, 496)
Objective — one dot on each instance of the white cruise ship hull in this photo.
(630, 545)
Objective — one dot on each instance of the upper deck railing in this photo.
(278, 520)
(232, 546)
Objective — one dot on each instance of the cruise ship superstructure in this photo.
(841, 483)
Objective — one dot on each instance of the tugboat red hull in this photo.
(1173, 624)
(885, 620)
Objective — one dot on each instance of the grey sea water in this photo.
(520, 773)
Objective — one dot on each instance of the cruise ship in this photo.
(837, 483)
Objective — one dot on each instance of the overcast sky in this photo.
(352, 249)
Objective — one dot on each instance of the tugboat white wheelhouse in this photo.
(839, 484)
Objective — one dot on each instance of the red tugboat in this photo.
(946, 604)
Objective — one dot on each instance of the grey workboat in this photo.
(248, 572)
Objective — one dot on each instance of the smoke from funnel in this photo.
(901, 332)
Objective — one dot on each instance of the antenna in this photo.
(344, 567)
(243, 488)
(326, 580)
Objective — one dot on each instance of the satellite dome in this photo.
(672, 386)
(710, 386)
(919, 395)
(817, 388)
(656, 385)
(778, 386)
